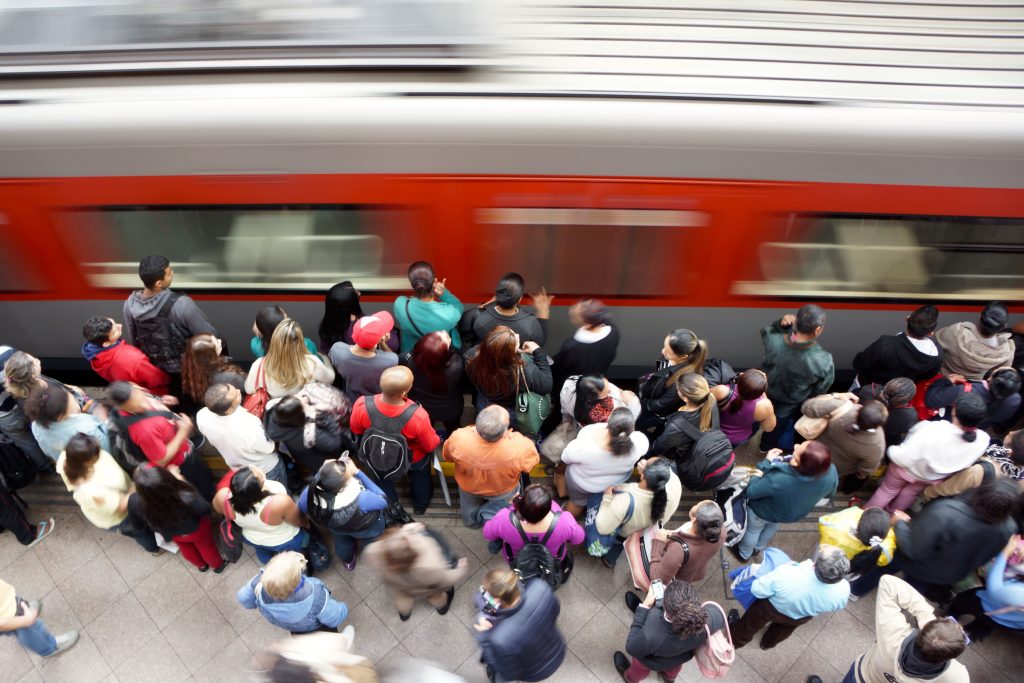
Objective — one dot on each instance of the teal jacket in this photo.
(784, 495)
(796, 372)
(427, 317)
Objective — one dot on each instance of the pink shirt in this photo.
(500, 527)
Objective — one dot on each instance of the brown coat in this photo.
(852, 451)
(429, 576)
(668, 558)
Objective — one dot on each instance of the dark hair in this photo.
(588, 390)
(874, 523)
(995, 501)
(685, 342)
(620, 427)
(432, 357)
(656, 475)
(340, 303)
(163, 497)
(898, 392)
(152, 268)
(970, 411)
(494, 368)
(809, 318)
(993, 319)
(872, 414)
(1017, 447)
(533, 504)
(288, 412)
(815, 459)
(509, 290)
(119, 392)
(421, 277)
(683, 609)
(233, 377)
(97, 329)
(246, 491)
(216, 399)
(708, 520)
(267, 321)
(46, 404)
(593, 313)
(326, 484)
(940, 640)
(922, 321)
(750, 386)
(1004, 383)
(79, 455)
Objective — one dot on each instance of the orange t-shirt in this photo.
(489, 469)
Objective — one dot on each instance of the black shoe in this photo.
(813, 679)
(621, 663)
(734, 616)
(443, 609)
(221, 568)
(205, 568)
(761, 644)
(404, 617)
(734, 550)
(418, 510)
(632, 601)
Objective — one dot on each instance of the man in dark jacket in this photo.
(13, 423)
(504, 309)
(665, 633)
(1000, 389)
(912, 353)
(797, 368)
(517, 628)
(950, 538)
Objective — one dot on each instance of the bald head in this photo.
(395, 383)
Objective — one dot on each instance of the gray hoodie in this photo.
(185, 315)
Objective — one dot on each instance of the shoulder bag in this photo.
(716, 654)
(813, 427)
(531, 408)
(256, 402)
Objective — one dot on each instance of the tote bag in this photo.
(715, 655)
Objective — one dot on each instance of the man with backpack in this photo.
(159, 321)
(396, 437)
(146, 431)
(489, 461)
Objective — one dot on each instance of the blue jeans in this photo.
(278, 473)
(421, 486)
(851, 675)
(759, 532)
(345, 541)
(265, 552)
(782, 436)
(478, 509)
(35, 638)
(612, 556)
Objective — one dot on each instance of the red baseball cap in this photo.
(369, 329)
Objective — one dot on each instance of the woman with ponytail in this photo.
(743, 404)
(270, 521)
(683, 353)
(684, 554)
(895, 395)
(348, 503)
(655, 499)
(600, 456)
(698, 408)
(932, 452)
(865, 536)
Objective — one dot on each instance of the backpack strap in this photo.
(686, 549)
(401, 419)
(129, 420)
(692, 431)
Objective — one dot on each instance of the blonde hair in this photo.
(503, 584)
(694, 388)
(286, 362)
(20, 374)
(282, 574)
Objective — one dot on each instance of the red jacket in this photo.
(418, 431)
(124, 362)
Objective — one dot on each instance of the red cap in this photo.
(369, 329)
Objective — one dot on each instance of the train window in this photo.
(247, 247)
(602, 252)
(16, 271)
(890, 257)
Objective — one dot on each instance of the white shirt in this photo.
(239, 438)
(926, 346)
(595, 468)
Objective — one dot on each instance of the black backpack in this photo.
(126, 452)
(160, 339)
(710, 463)
(383, 449)
(534, 559)
(16, 470)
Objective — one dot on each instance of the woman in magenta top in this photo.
(536, 513)
(743, 404)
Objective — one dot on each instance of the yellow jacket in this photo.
(840, 529)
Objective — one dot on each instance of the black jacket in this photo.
(893, 355)
(329, 442)
(656, 397)
(445, 405)
(943, 394)
(525, 643)
(477, 322)
(674, 443)
(947, 541)
(652, 640)
(579, 358)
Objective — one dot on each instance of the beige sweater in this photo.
(614, 507)
(880, 663)
(429, 574)
(855, 451)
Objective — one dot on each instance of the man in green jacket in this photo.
(797, 368)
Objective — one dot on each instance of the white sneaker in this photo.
(43, 530)
(349, 633)
(64, 642)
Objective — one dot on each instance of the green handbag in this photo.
(531, 408)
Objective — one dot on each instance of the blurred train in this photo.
(691, 164)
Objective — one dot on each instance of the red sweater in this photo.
(418, 431)
(124, 362)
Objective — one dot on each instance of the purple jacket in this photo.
(501, 528)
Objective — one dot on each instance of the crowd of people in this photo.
(317, 434)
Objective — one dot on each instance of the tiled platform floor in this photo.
(157, 620)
